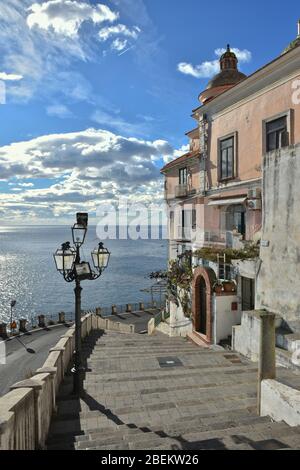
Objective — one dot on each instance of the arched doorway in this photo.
(202, 313)
(204, 279)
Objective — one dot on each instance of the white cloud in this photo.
(176, 153)
(119, 29)
(26, 185)
(92, 166)
(204, 70)
(242, 55)
(59, 110)
(119, 44)
(10, 77)
(208, 69)
(65, 17)
(42, 43)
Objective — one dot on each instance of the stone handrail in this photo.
(107, 324)
(26, 411)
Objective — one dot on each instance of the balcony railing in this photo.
(184, 190)
(226, 239)
(181, 190)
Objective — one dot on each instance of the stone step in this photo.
(292, 343)
(285, 358)
(126, 391)
(256, 431)
(133, 403)
(173, 430)
(154, 415)
(250, 435)
(159, 404)
(100, 375)
(183, 422)
(96, 419)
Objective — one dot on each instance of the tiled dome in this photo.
(225, 79)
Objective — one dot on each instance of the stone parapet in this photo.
(26, 411)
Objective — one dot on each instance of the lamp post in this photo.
(69, 264)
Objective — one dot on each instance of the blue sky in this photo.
(99, 93)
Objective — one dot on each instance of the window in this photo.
(194, 219)
(226, 164)
(183, 218)
(276, 134)
(183, 176)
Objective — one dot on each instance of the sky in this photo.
(97, 95)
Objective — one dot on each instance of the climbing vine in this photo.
(179, 278)
(180, 273)
(250, 251)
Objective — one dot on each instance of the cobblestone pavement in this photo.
(155, 392)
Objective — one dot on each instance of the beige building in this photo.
(214, 191)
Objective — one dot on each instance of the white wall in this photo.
(245, 337)
(224, 317)
(278, 279)
(280, 402)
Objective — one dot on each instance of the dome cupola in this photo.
(228, 77)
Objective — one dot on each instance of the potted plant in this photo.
(218, 287)
(229, 286)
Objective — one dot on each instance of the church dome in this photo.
(225, 79)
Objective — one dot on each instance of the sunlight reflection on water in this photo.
(28, 274)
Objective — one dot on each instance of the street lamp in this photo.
(68, 263)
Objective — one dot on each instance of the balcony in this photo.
(181, 190)
(224, 239)
(184, 190)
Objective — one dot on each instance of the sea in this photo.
(28, 274)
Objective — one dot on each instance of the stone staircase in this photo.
(288, 345)
(161, 393)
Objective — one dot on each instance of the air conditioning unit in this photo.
(254, 204)
(254, 193)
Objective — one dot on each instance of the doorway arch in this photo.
(203, 282)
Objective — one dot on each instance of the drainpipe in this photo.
(204, 130)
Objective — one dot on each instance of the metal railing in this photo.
(161, 317)
(158, 319)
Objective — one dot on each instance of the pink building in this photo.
(214, 191)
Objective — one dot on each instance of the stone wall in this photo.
(280, 402)
(279, 274)
(246, 337)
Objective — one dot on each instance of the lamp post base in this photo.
(78, 379)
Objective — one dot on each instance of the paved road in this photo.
(20, 362)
